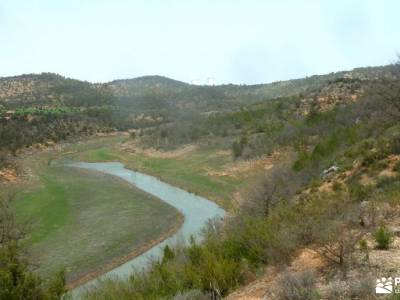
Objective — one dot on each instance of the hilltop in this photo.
(51, 89)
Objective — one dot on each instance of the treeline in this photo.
(25, 129)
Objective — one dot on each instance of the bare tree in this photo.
(271, 188)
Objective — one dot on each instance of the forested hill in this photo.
(158, 94)
(49, 107)
(48, 89)
(38, 109)
(147, 93)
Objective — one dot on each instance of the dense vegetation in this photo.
(37, 109)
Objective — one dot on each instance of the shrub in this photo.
(394, 297)
(17, 281)
(359, 192)
(386, 181)
(337, 186)
(364, 248)
(383, 238)
(238, 146)
(338, 290)
(359, 289)
(301, 161)
(191, 295)
(298, 286)
(363, 288)
(372, 157)
(395, 145)
(396, 167)
(237, 149)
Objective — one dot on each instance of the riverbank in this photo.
(65, 211)
(196, 210)
(117, 261)
(206, 171)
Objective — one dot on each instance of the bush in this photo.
(341, 290)
(237, 149)
(17, 281)
(191, 295)
(238, 146)
(359, 192)
(396, 167)
(394, 297)
(363, 288)
(298, 286)
(383, 238)
(338, 290)
(337, 186)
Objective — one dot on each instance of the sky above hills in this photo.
(230, 41)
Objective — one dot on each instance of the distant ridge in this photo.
(150, 80)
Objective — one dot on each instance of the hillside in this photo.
(316, 217)
(49, 107)
(50, 90)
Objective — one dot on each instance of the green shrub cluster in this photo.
(383, 237)
(17, 281)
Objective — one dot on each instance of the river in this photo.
(196, 210)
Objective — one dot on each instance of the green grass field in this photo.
(80, 219)
(190, 172)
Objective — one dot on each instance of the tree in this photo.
(16, 280)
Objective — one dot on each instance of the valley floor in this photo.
(208, 172)
(81, 220)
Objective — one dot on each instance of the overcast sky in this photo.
(231, 41)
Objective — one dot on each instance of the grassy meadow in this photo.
(81, 219)
(200, 171)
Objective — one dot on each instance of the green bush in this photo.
(191, 295)
(238, 146)
(359, 192)
(394, 297)
(383, 238)
(237, 149)
(301, 161)
(396, 167)
(337, 186)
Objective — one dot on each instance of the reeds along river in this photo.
(196, 210)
